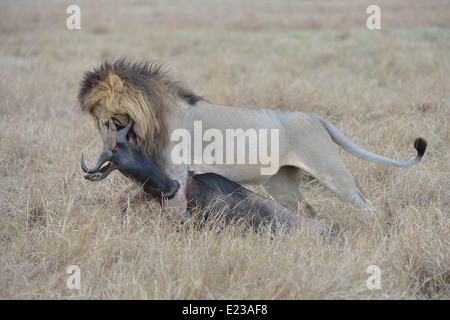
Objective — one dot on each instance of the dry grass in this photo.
(381, 88)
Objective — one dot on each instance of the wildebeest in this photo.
(213, 195)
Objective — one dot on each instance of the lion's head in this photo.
(144, 90)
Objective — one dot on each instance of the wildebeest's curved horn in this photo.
(121, 136)
(106, 155)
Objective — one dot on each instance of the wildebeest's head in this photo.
(132, 161)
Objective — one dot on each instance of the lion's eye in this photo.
(104, 123)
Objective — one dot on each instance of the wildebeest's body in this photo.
(224, 200)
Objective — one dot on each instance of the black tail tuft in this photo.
(421, 145)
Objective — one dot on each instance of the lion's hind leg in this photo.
(284, 187)
(331, 171)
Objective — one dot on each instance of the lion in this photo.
(162, 105)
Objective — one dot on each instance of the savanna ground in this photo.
(382, 88)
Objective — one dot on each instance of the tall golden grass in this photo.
(381, 88)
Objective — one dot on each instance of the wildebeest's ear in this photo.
(117, 123)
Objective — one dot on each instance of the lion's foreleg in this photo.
(129, 193)
(176, 208)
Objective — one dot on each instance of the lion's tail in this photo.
(419, 144)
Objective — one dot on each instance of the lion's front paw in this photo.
(127, 195)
